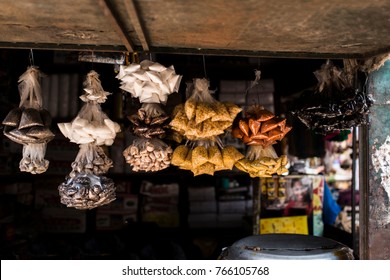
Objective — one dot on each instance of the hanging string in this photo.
(31, 58)
(204, 67)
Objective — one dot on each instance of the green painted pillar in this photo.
(375, 198)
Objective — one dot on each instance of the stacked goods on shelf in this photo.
(201, 120)
(85, 187)
(151, 83)
(29, 124)
(335, 104)
(160, 204)
(202, 207)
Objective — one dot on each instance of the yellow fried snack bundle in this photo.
(199, 156)
(215, 156)
(222, 113)
(230, 156)
(233, 109)
(179, 121)
(179, 155)
(205, 168)
(187, 164)
(190, 108)
(204, 111)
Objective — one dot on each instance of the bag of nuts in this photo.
(148, 155)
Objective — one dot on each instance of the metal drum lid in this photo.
(286, 246)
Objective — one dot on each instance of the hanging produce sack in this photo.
(262, 162)
(91, 159)
(334, 104)
(86, 191)
(201, 116)
(259, 127)
(148, 155)
(29, 124)
(205, 157)
(149, 81)
(91, 125)
(150, 121)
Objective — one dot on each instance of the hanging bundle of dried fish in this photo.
(262, 162)
(150, 121)
(148, 155)
(86, 191)
(29, 124)
(334, 104)
(260, 127)
(205, 157)
(201, 116)
(91, 125)
(149, 81)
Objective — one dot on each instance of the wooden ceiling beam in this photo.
(113, 18)
(132, 11)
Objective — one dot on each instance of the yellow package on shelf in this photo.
(293, 224)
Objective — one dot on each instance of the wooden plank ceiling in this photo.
(283, 28)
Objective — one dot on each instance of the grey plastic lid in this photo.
(286, 246)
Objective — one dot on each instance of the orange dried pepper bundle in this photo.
(260, 127)
(201, 116)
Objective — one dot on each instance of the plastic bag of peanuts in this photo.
(148, 155)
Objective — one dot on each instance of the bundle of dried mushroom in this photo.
(29, 124)
(201, 116)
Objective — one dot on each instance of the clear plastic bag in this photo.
(205, 157)
(334, 104)
(33, 160)
(29, 124)
(86, 191)
(201, 116)
(150, 121)
(93, 89)
(91, 159)
(148, 155)
(91, 125)
(262, 162)
(149, 81)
